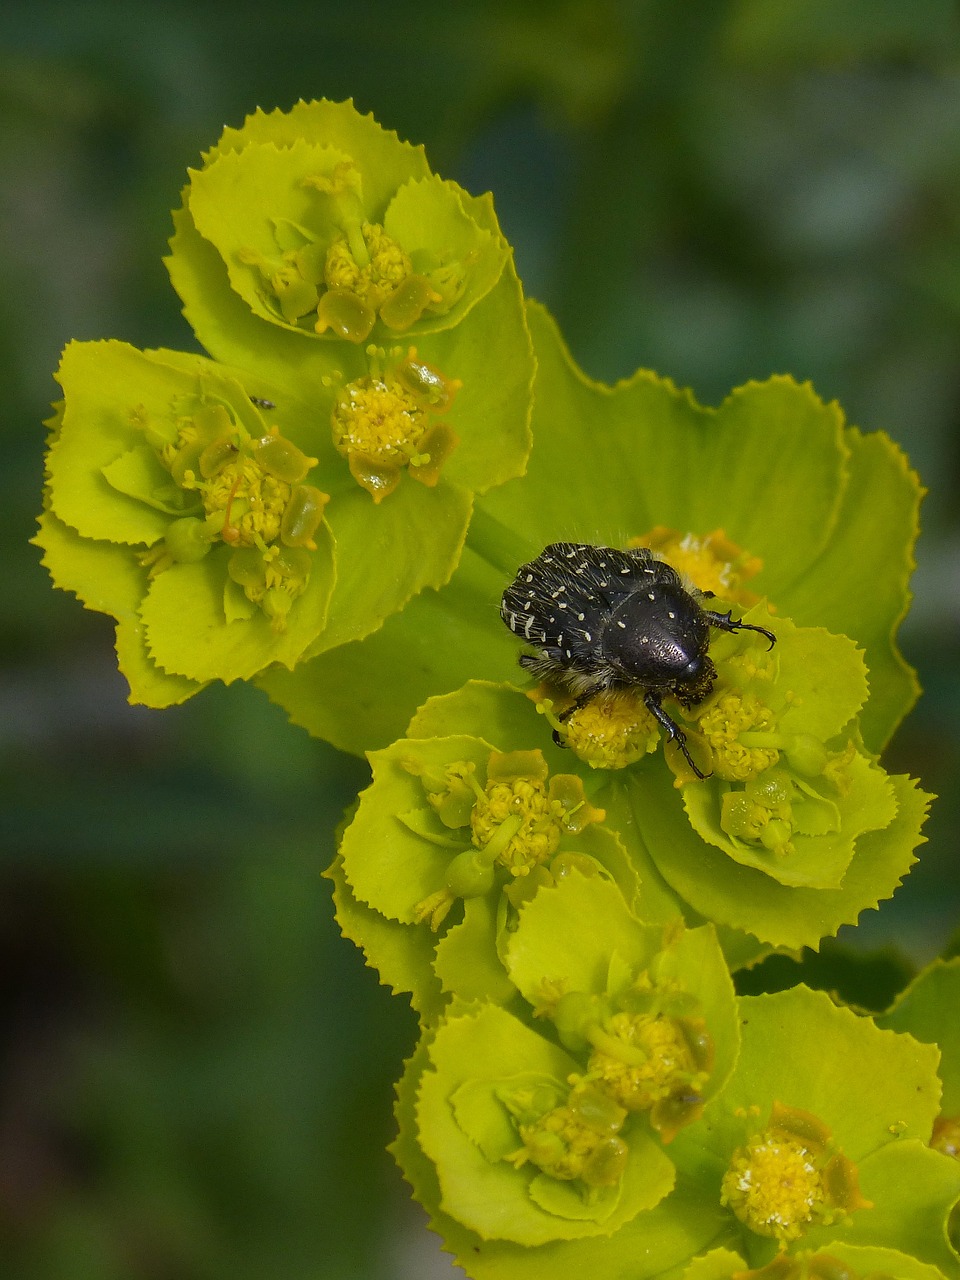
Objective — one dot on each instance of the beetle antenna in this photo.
(724, 622)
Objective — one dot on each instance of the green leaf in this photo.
(499, 712)
(401, 954)
(387, 553)
(104, 383)
(139, 474)
(718, 1264)
(800, 1048)
(432, 221)
(101, 574)
(385, 160)
(869, 1259)
(355, 696)
(466, 959)
(859, 585)
(569, 933)
(491, 353)
(108, 580)
(927, 1009)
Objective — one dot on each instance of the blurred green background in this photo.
(195, 1077)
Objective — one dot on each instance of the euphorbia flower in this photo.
(449, 840)
(400, 433)
(820, 1136)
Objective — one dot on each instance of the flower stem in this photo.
(496, 543)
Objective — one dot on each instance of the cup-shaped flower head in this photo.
(384, 388)
(177, 505)
(318, 246)
(532, 1141)
(448, 842)
(521, 1150)
(331, 227)
(648, 1010)
(821, 1136)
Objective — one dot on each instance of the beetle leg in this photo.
(726, 623)
(652, 702)
(575, 706)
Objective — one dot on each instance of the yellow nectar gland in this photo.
(712, 562)
(785, 1179)
(722, 723)
(664, 1064)
(610, 732)
(812, 1266)
(946, 1136)
(385, 422)
(519, 820)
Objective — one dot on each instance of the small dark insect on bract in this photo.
(600, 619)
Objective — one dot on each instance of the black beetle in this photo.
(601, 619)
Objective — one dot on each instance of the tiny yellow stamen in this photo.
(525, 811)
(712, 562)
(373, 272)
(611, 731)
(383, 423)
(774, 1187)
(252, 502)
(788, 1178)
(722, 724)
(644, 1058)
